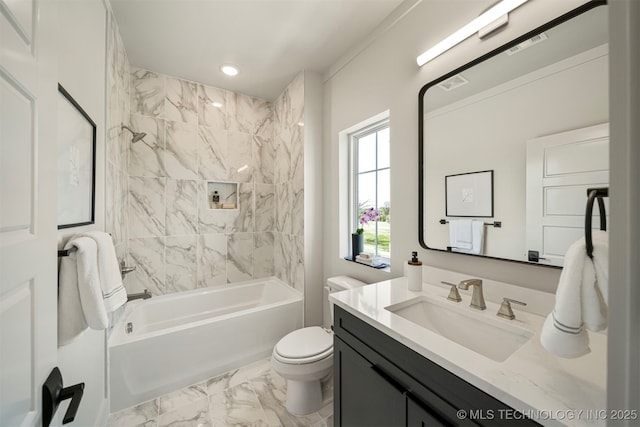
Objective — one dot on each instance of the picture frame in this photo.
(76, 163)
(469, 194)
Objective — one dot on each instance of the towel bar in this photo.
(496, 224)
(593, 194)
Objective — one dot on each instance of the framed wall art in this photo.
(76, 163)
(469, 194)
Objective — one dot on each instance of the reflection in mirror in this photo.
(535, 113)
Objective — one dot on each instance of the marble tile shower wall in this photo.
(117, 141)
(289, 183)
(197, 133)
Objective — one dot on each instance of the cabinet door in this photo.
(363, 396)
(419, 416)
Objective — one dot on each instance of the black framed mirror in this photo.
(534, 112)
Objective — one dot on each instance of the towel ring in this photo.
(594, 193)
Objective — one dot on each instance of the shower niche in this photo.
(222, 195)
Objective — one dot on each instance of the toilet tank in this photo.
(336, 284)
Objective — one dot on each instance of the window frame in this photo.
(354, 138)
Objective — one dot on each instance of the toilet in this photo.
(304, 357)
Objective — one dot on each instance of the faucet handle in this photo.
(454, 295)
(124, 270)
(505, 308)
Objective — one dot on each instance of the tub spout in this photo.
(140, 295)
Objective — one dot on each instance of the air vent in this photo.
(527, 44)
(453, 83)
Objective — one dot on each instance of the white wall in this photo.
(383, 76)
(81, 71)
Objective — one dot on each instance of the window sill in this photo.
(383, 266)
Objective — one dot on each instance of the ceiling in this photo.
(270, 41)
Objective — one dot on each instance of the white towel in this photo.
(79, 295)
(466, 236)
(113, 292)
(581, 299)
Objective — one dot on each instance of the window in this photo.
(371, 185)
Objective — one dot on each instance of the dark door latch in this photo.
(53, 393)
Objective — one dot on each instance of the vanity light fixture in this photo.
(229, 70)
(497, 11)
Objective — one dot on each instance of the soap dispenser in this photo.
(414, 273)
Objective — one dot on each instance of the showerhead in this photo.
(137, 136)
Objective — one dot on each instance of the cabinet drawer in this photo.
(427, 381)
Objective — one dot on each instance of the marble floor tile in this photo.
(252, 395)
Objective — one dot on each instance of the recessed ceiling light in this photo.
(229, 70)
(217, 104)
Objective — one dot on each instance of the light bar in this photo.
(470, 29)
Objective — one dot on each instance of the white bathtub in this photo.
(183, 338)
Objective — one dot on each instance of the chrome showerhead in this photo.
(137, 136)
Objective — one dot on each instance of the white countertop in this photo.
(548, 389)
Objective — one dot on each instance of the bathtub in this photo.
(180, 339)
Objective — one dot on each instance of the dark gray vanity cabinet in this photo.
(380, 382)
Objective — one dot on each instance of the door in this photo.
(28, 270)
(364, 397)
(560, 169)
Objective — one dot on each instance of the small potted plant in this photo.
(357, 238)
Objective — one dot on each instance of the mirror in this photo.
(513, 140)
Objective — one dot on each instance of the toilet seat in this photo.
(306, 345)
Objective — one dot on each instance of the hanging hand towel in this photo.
(580, 299)
(458, 232)
(113, 292)
(460, 236)
(80, 302)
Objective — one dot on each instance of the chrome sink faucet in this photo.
(477, 298)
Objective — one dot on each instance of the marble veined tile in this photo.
(243, 117)
(147, 93)
(147, 255)
(239, 156)
(297, 263)
(262, 118)
(282, 262)
(180, 263)
(181, 207)
(237, 406)
(264, 159)
(143, 414)
(146, 206)
(212, 154)
(263, 247)
(219, 384)
(181, 101)
(239, 257)
(271, 392)
(194, 414)
(241, 220)
(216, 107)
(296, 172)
(296, 99)
(172, 401)
(297, 208)
(282, 164)
(181, 152)
(212, 260)
(283, 207)
(265, 207)
(146, 156)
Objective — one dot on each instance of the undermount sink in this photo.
(493, 338)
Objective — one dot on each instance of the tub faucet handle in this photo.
(124, 270)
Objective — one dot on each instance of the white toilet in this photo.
(304, 357)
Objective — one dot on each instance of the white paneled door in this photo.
(28, 269)
(560, 169)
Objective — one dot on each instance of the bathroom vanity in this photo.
(392, 368)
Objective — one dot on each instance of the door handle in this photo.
(53, 393)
